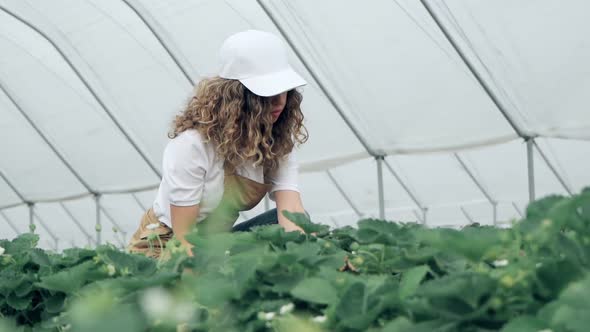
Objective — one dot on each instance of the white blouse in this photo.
(191, 174)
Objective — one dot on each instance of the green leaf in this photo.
(294, 323)
(334, 261)
(570, 311)
(10, 279)
(9, 325)
(524, 324)
(539, 209)
(135, 264)
(411, 280)
(213, 289)
(315, 290)
(400, 324)
(120, 317)
(452, 288)
(303, 221)
(356, 309)
(244, 274)
(553, 276)
(55, 303)
(74, 256)
(306, 252)
(18, 303)
(22, 243)
(285, 282)
(25, 287)
(69, 280)
(377, 231)
(38, 256)
(473, 243)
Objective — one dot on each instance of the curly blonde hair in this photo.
(240, 124)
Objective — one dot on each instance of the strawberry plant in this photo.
(379, 276)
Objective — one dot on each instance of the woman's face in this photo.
(278, 103)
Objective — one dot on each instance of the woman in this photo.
(230, 147)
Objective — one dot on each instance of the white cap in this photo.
(259, 61)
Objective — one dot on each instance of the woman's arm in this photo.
(291, 201)
(183, 220)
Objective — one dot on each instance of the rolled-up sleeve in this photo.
(286, 176)
(184, 169)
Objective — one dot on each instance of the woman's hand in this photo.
(183, 220)
(290, 201)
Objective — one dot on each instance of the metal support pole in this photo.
(553, 169)
(480, 186)
(10, 206)
(380, 186)
(418, 216)
(98, 226)
(31, 217)
(335, 222)
(76, 222)
(408, 191)
(112, 221)
(5, 217)
(152, 24)
(67, 56)
(475, 73)
(517, 209)
(491, 94)
(124, 236)
(78, 196)
(43, 137)
(343, 193)
(530, 169)
(143, 208)
(495, 213)
(47, 229)
(467, 215)
(21, 197)
(425, 216)
(278, 24)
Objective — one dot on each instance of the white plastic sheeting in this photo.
(88, 90)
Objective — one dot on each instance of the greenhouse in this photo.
(444, 113)
(456, 114)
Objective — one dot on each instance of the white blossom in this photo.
(266, 315)
(2, 250)
(287, 308)
(500, 262)
(111, 270)
(161, 306)
(156, 302)
(227, 252)
(319, 319)
(153, 226)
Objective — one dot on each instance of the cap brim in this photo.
(275, 83)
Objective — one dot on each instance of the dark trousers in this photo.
(267, 218)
